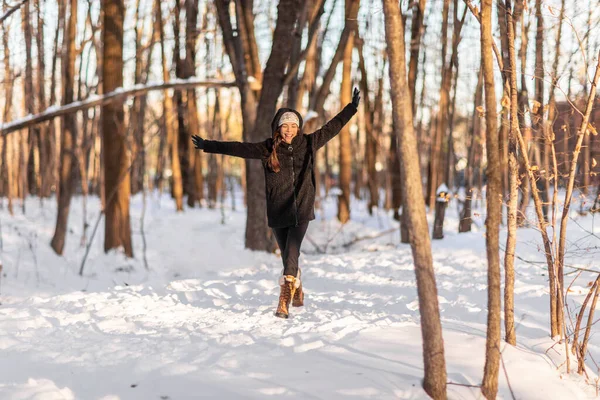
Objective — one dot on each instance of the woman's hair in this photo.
(273, 161)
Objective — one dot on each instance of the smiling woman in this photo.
(287, 158)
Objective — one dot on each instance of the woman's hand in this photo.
(356, 97)
(198, 142)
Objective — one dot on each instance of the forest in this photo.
(476, 119)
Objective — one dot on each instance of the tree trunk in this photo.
(436, 151)
(54, 155)
(371, 142)
(256, 119)
(196, 180)
(44, 140)
(465, 217)
(417, 31)
(434, 381)
(169, 117)
(7, 172)
(29, 96)
(505, 115)
(513, 179)
(541, 146)
(68, 135)
(550, 137)
(494, 209)
(523, 100)
(345, 152)
(136, 119)
(116, 157)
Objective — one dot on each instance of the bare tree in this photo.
(168, 119)
(116, 162)
(435, 157)
(257, 108)
(7, 172)
(465, 216)
(345, 152)
(45, 150)
(434, 382)
(494, 208)
(371, 142)
(69, 134)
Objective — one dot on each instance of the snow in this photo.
(200, 323)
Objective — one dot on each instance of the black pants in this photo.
(289, 240)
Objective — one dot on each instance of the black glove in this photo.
(198, 142)
(355, 97)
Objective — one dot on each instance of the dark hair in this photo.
(273, 161)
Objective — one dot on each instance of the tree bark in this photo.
(168, 119)
(196, 179)
(116, 157)
(434, 382)
(32, 136)
(7, 172)
(494, 208)
(371, 141)
(513, 179)
(417, 30)
(68, 135)
(436, 155)
(465, 216)
(44, 140)
(345, 152)
(256, 119)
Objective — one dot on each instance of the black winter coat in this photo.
(291, 191)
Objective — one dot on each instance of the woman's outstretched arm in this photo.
(237, 149)
(333, 127)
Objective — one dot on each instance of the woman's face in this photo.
(288, 132)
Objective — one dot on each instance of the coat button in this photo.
(290, 148)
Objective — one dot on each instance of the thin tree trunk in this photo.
(196, 180)
(417, 30)
(541, 146)
(511, 238)
(505, 115)
(523, 110)
(494, 208)
(436, 151)
(465, 216)
(29, 96)
(434, 381)
(116, 160)
(7, 172)
(169, 117)
(68, 135)
(370, 133)
(345, 152)
(53, 152)
(583, 131)
(44, 140)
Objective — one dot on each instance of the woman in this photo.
(288, 159)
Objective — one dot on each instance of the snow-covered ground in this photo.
(200, 323)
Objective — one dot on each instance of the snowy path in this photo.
(201, 324)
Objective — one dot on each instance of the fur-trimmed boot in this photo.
(298, 300)
(287, 284)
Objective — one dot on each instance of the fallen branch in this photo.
(95, 101)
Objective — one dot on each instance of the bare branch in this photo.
(96, 101)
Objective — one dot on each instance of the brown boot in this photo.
(287, 285)
(298, 300)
